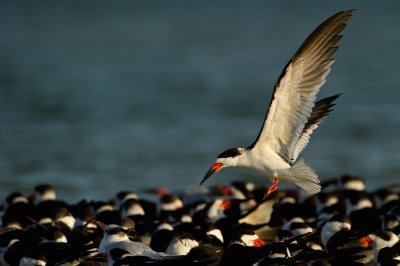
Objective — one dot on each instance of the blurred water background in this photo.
(98, 96)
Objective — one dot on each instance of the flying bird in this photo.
(293, 113)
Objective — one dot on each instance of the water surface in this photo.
(99, 97)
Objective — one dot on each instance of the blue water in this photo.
(98, 97)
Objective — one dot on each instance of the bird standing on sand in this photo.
(293, 113)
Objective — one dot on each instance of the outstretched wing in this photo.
(296, 88)
(321, 109)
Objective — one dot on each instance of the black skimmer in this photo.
(45, 200)
(201, 255)
(245, 247)
(42, 193)
(336, 233)
(58, 248)
(184, 238)
(131, 210)
(213, 211)
(327, 204)
(297, 226)
(34, 257)
(293, 113)
(297, 243)
(385, 199)
(212, 234)
(63, 219)
(117, 237)
(279, 256)
(17, 209)
(14, 244)
(106, 212)
(352, 183)
(171, 207)
(161, 237)
(149, 207)
(380, 240)
(360, 209)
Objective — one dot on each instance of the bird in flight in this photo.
(293, 113)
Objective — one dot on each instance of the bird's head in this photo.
(227, 158)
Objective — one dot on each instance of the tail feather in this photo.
(307, 178)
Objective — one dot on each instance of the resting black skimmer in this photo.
(293, 113)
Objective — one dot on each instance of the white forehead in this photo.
(357, 185)
(165, 226)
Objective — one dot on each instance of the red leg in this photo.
(271, 189)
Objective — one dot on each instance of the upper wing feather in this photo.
(295, 90)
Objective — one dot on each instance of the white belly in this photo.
(266, 161)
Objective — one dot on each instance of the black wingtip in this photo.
(327, 100)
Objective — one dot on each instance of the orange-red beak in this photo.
(226, 204)
(214, 168)
(259, 242)
(365, 241)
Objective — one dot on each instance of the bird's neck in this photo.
(244, 159)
